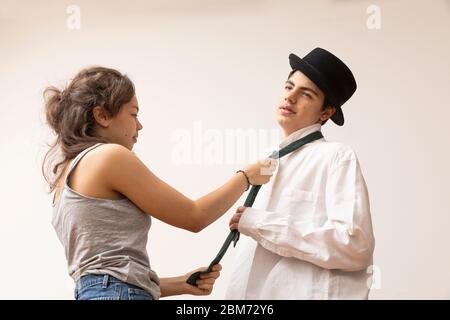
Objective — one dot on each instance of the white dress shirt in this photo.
(309, 231)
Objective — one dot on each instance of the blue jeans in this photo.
(106, 287)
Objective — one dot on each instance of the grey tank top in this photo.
(104, 236)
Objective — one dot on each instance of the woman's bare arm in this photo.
(125, 173)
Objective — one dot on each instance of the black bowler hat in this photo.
(330, 74)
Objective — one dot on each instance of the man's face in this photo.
(300, 104)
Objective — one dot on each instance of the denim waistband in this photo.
(95, 279)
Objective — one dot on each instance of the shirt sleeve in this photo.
(344, 241)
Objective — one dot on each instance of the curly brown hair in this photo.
(69, 113)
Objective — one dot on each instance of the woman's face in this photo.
(124, 127)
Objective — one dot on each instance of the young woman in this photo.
(104, 196)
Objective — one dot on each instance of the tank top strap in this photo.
(78, 158)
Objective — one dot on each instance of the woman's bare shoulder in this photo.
(112, 161)
(92, 176)
(110, 153)
(106, 149)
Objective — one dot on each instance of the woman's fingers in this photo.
(236, 218)
(271, 163)
(206, 287)
(206, 281)
(234, 222)
(217, 267)
(234, 225)
(214, 274)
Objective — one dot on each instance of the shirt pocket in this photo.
(299, 204)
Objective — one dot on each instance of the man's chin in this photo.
(284, 122)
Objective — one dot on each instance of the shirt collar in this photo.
(296, 135)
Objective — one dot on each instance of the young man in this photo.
(309, 232)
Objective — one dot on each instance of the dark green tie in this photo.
(234, 234)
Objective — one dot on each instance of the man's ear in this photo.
(327, 113)
(101, 116)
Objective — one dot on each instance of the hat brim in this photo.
(338, 117)
(308, 70)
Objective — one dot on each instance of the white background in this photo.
(224, 63)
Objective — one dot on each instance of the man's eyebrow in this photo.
(309, 89)
(302, 88)
(290, 82)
